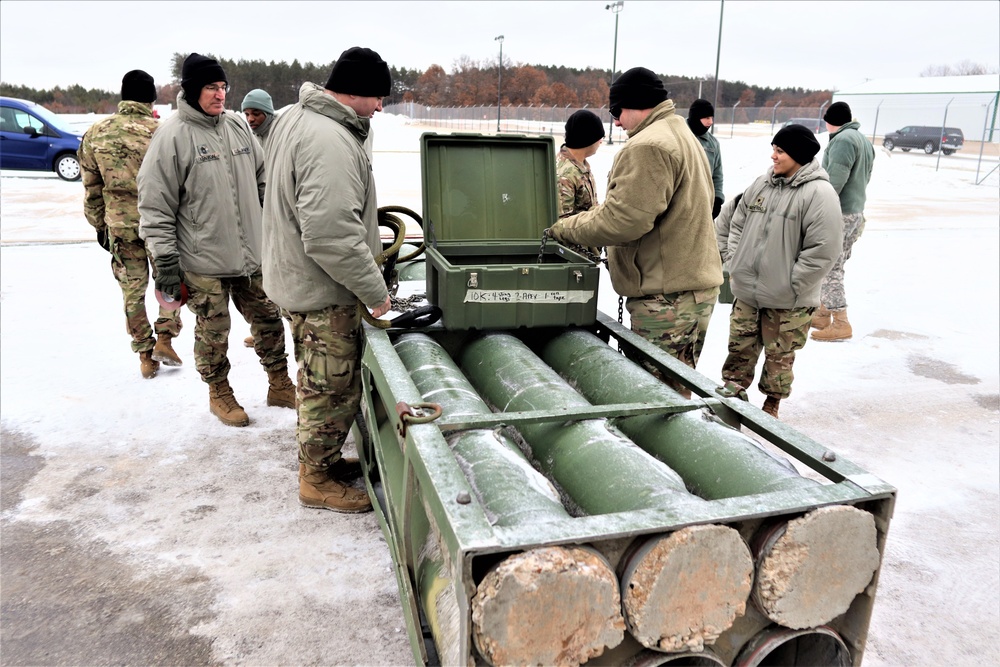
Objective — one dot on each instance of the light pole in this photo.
(616, 8)
(499, 38)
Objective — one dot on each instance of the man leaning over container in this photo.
(111, 152)
(200, 190)
(320, 242)
(656, 220)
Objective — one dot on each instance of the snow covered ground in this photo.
(205, 517)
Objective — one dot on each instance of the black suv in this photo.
(926, 137)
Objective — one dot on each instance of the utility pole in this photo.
(616, 8)
(499, 38)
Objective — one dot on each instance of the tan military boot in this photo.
(148, 366)
(248, 341)
(771, 406)
(839, 329)
(163, 351)
(223, 405)
(318, 491)
(280, 390)
(821, 318)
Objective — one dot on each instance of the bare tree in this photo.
(964, 68)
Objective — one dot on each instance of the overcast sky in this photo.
(808, 44)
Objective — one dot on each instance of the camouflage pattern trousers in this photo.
(209, 300)
(832, 290)
(130, 265)
(676, 323)
(327, 346)
(779, 333)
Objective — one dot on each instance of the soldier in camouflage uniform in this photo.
(656, 221)
(784, 236)
(577, 189)
(111, 152)
(848, 159)
(200, 192)
(320, 242)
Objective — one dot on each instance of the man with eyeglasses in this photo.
(656, 220)
(201, 186)
(320, 242)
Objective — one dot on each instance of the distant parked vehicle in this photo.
(929, 138)
(34, 138)
(814, 124)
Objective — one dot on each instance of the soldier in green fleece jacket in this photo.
(848, 160)
(656, 220)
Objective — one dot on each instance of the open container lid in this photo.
(487, 188)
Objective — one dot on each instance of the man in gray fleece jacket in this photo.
(320, 242)
(200, 188)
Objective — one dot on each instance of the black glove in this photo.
(168, 276)
(717, 207)
(103, 239)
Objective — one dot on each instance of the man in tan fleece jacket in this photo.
(656, 220)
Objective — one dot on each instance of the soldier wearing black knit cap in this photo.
(701, 116)
(656, 220)
(110, 153)
(784, 237)
(321, 238)
(577, 189)
(848, 159)
(200, 192)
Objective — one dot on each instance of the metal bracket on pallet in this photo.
(415, 414)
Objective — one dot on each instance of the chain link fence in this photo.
(976, 118)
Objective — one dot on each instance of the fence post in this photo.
(876, 120)
(774, 111)
(982, 143)
(944, 122)
(733, 123)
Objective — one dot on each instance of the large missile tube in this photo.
(679, 591)
(795, 559)
(512, 621)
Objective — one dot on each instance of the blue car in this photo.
(34, 138)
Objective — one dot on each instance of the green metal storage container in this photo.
(487, 200)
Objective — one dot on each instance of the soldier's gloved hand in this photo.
(168, 276)
(717, 207)
(103, 239)
(555, 232)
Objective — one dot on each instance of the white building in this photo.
(885, 105)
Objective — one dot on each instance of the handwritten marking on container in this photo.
(528, 296)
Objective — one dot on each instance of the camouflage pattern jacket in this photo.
(577, 189)
(200, 192)
(656, 218)
(784, 237)
(110, 154)
(320, 210)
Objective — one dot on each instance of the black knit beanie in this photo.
(583, 129)
(360, 71)
(199, 71)
(798, 141)
(638, 88)
(701, 109)
(138, 86)
(838, 114)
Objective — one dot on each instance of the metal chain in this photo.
(541, 249)
(407, 303)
